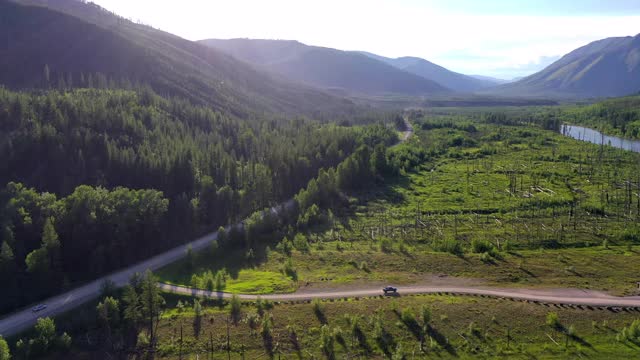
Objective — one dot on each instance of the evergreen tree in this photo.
(5, 353)
(152, 303)
(47, 75)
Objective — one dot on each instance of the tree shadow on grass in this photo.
(528, 272)
(441, 340)
(361, 338)
(582, 342)
(386, 342)
(412, 325)
(197, 326)
(320, 315)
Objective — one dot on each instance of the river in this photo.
(593, 136)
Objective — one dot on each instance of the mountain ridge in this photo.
(607, 67)
(73, 37)
(428, 70)
(326, 67)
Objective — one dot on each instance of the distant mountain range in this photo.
(493, 80)
(243, 77)
(428, 70)
(74, 39)
(327, 68)
(603, 68)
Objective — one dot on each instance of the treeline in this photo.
(58, 141)
(99, 179)
(50, 243)
(619, 117)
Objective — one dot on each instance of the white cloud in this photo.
(385, 27)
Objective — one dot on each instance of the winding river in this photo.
(593, 136)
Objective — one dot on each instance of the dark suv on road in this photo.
(389, 289)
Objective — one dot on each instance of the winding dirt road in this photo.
(406, 134)
(553, 296)
(25, 318)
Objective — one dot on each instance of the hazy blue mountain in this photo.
(327, 68)
(493, 80)
(75, 39)
(603, 68)
(428, 70)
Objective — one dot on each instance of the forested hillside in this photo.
(99, 179)
(69, 43)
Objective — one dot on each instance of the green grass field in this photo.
(460, 327)
(506, 205)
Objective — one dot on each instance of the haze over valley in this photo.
(327, 180)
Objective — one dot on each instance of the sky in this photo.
(499, 38)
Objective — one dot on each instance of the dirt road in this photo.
(551, 296)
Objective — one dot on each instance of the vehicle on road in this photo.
(38, 308)
(389, 289)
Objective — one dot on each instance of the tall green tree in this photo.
(45, 336)
(235, 309)
(109, 317)
(152, 303)
(51, 242)
(47, 74)
(5, 354)
(132, 306)
(6, 255)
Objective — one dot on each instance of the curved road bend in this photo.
(23, 319)
(559, 296)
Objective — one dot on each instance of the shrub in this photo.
(266, 332)
(197, 308)
(426, 315)
(364, 266)
(143, 339)
(382, 337)
(386, 245)
(317, 308)
(289, 270)
(213, 247)
(337, 334)
(210, 283)
(631, 333)
(326, 342)
(220, 280)
(235, 310)
(253, 320)
(399, 354)
(63, 342)
(301, 243)
(480, 246)
(262, 305)
(407, 316)
(553, 320)
(284, 246)
(449, 245)
(250, 256)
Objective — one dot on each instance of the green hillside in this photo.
(46, 47)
